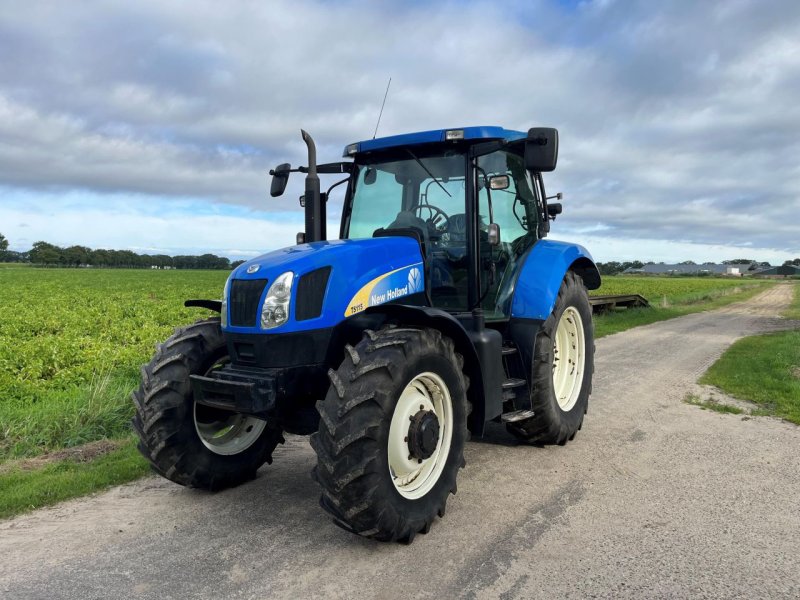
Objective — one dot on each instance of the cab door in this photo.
(509, 197)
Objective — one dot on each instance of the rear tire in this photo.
(563, 364)
(392, 432)
(188, 443)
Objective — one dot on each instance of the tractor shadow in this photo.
(280, 507)
(495, 434)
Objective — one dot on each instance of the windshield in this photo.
(405, 191)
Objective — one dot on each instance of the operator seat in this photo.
(406, 219)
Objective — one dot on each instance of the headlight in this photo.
(223, 314)
(276, 305)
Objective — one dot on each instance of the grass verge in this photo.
(23, 489)
(621, 320)
(793, 312)
(67, 418)
(711, 405)
(764, 369)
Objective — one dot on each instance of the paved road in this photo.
(654, 498)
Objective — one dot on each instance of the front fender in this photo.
(541, 275)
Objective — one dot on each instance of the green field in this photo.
(670, 297)
(72, 341)
(675, 290)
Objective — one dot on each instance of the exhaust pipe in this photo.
(315, 204)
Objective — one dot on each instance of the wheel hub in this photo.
(423, 434)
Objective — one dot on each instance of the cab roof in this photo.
(481, 132)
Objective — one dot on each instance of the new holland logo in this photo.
(414, 281)
(387, 288)
(253, 268)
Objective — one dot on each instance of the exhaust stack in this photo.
(314, 203)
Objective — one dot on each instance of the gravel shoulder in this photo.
(653, 498)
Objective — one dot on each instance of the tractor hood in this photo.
(332, 280)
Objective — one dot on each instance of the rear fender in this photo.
(541, 275)
(424, 316)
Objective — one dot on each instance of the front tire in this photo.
(562, 369)
(192, 444)
(392, 433)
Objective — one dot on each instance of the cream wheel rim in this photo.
(414, 477)
(230, 433)
(569, 357)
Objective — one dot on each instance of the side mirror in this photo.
(280, 177)
(493, 232)
(499, 182)
(541, 149)
(553, 209)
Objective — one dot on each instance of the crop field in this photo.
(670, 297)
(676, 290)
(71, 343)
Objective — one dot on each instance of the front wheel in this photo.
(392, 433)
(189, 443)
(563, 364)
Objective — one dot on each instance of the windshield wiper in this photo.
(419, 162)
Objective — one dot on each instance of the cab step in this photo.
(513, 383)
(509, 350)
(517, 415)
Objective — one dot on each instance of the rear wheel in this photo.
(188, 443)
(562, 369)
(392, 433)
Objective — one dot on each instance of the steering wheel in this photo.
(435, 212)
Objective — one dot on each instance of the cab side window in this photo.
(513, 208)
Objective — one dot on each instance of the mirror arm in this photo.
(338, 183)
(544, 226)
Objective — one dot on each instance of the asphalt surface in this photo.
(653, 498)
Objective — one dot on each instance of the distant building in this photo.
(735, 270)
(784, 271)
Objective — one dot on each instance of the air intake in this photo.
(243, 301)
(311, 293)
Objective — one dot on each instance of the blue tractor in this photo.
(440, 307)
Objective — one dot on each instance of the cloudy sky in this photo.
(151, 125)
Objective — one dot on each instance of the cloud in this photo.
(679, 121)
(177, 227)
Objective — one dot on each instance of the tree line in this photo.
(50, 255)
(614, 268)
(46, 254)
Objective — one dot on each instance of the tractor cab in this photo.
(465, 195)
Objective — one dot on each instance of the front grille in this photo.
(311, 293)
(243, 301)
